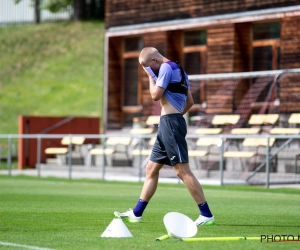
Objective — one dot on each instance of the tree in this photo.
(79, 10)
(83, 9)
(79, 7)
(36, 4)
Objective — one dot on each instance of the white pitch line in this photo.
(24, 246)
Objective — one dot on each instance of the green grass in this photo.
(72, 214)
(53, 69)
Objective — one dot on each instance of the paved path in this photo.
(96, 173)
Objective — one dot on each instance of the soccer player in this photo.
(169, 84)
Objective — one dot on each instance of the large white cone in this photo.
(116, 229)
(179, 225)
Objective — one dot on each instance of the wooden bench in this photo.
(265, 121)
(207, 142)
(242, 131)
(56, 151)
(250, 142)
(262, 119)
(141, 131)
(238, 154)
(285, 131)
(153, 120)
(208, 131)
(101, 151)
(76, 141)
(245, 131)
(144, 152)
(257, 142)
(111, 148)
(294, 118)
(225, 119)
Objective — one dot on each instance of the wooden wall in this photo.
(289, 94)
(114, 118)
(290, 43)
(220, 49)
(174, 46)
(220, 59)
(127, 12)
(242, 47)
(242, 59)
(290, 58)
(229, 49)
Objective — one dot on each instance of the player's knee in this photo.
(179, 172)
(152, 170)
(182, 170)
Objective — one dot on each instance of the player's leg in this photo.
(148, 190)
(151, 180)
(184, 172)
(157, 159)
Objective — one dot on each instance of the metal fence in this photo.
(23, 13)
(267, 177)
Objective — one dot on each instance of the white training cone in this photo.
(179, 225)
(116, 229)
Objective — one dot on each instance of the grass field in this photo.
(72, 214)
(50, 69)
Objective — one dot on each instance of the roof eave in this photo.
(190, 23)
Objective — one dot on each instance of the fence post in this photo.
(140, 158)
(221, 164)
(70, 157)
(39, 155)
(103, 158)
(268, 163)
(9, 156)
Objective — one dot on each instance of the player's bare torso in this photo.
(166, 107)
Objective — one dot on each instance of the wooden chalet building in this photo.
(205, 37)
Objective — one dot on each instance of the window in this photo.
(131, 97)
(265, 52)
(192, 66)
(262, 58)
(266, 46)
(133, 44)
(195, 38)
(131, 82)
(194, 51)
(262, 31)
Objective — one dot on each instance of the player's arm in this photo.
(189, 102)
(155, 91)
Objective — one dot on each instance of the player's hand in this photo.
(147, 72)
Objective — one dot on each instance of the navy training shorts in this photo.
(170, 147)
